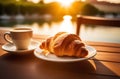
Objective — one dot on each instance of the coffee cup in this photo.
(20, 37)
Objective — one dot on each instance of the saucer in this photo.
(52, 57)
(11, 47)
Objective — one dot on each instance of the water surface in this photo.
(88, 32)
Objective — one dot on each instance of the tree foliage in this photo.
(11, 7)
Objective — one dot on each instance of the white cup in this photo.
(20, 37)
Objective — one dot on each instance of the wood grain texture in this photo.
(105, 65)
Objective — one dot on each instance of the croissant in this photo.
(65, 44)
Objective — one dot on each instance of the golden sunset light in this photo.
(65, 2)
(62, 2)
(34, 1)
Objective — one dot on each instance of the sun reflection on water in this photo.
(96, 33)
(66, 25)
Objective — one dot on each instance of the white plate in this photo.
(11, 47)
(51, 57)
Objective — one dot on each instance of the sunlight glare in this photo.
(67, 25)
(34, 1)
(67, 17)
(17, 0)
(83, 0)
(65, 2)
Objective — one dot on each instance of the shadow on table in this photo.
(27, 66)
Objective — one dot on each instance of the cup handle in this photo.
(6, 37)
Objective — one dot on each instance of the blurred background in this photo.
(51, 16)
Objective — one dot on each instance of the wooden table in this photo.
(105, 65)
